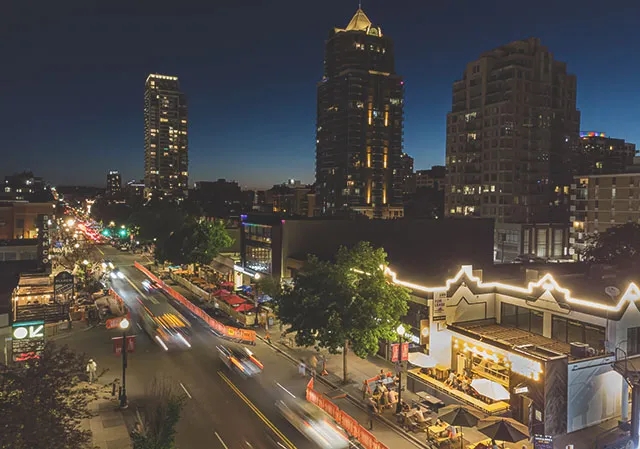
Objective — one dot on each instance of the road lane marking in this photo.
(150, 298)
(139, 327)
(290, 394)
(101, 252)
(185, 390)
(220, 439)
(255, 409)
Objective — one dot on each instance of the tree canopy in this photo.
(619, 245)
(196, 241)
(43, 401)
(160, 415)
(346, 304)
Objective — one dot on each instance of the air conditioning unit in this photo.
(579, 350)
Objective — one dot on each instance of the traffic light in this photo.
(123, 232)
(106, 233)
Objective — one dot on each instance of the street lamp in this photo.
(85, 262)
(400, 331)
(76, 246)
(124, 325)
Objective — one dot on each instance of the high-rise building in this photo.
(166, 146)
(595, 153)
(432, 178)
(114, 183)
(407, 174)
(359, 123)
(509, 136)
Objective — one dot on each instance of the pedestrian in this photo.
(313, 362)
(372, 408)
(302, 368)
(268, 337)
(494, 445)
(92, 367)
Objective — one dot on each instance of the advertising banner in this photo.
(404, 352)
(395, 352)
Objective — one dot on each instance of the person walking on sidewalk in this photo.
(372, 408)
(92, 368)
(313, 363)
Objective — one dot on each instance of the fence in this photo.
(349, 424)
(243, 335)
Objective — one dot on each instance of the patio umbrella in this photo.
(461, 416)
(227, 284)
(422, 360)
(221, 293)
(490, 389)
(233, 300)
(246, 307)
(503, 429)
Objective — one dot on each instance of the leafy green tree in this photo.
(196, 242)
(160, 414)
(619, 245)
(349, 304)
(156, 220)
(43, 401)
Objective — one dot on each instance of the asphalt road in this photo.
(222, 410)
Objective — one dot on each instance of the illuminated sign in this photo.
(28, 340)
(542, 442)
(527, 367)
(584, 134)
(521, 390)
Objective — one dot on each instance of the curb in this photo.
(393, 426)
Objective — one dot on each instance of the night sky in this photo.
(72, 78)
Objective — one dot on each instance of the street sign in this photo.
(27, 340)
(117, 344)
(43, 243)
(63, 285)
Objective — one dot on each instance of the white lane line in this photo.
(185, 390)
(290, 394)
(139, 327)
(150, 298)
(280, 444)
(222, 442)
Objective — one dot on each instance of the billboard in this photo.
(27, 340)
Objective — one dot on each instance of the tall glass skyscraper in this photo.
(166, 144)
(360, 123)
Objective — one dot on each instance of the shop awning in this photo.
(246, 307)
(422, 360)
(221, 292)
(220, 267)
(233, 300)
(492, 390)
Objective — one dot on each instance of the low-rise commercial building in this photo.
(549, 343)
(18, 219)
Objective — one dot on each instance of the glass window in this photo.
(559, 328)
(575, 332)
(508, 314)
(537, 320)
(258, 258)
(594, 337)
(633, 340)
(541, 243)
(523, 318)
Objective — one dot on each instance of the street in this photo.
(221, 410)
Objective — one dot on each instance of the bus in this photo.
(165, 326)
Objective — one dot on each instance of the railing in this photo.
(349, 424)
(242, 335)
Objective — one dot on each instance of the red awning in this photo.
(227, 284)
(233, 300)
(221, 293)
(246, 307)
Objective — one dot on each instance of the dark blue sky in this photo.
(72, 78)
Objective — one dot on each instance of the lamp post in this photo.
(400, 331)
(124, 325)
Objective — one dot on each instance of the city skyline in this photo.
(241, 130)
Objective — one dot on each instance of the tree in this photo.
(348, 304)
(197, 242)
(619, 245)
(43, 401)
(160, 414)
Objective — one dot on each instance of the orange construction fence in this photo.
(243, 335)
(349, 424)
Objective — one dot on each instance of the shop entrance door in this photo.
(461, 363)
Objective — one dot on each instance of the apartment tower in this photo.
(359, 123)
(166, 145)
(510, 134)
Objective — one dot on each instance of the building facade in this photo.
(432, 178)
(166, 161)
(19, 219)
(360, 123)
(598, 154)
(114, 183)
(600, 202)
(509, 135)
(24, 187)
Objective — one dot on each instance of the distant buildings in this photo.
(360, 123)
(292, 199)
(431, 178)
(406, 174)
(595, 153)
(220, 198)
(114, 183)
(166, 145)
(509, 133)
(24, 187)
(134, 190)
(19, 219)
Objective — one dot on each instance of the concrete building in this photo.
(595, 153)
(600, 202)
(19, 219)
(278, 246)
(166, 143)
(114, 183)
(509, 134)
(360, 123)
(407, 174)
(24, 187)
(431, 178)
